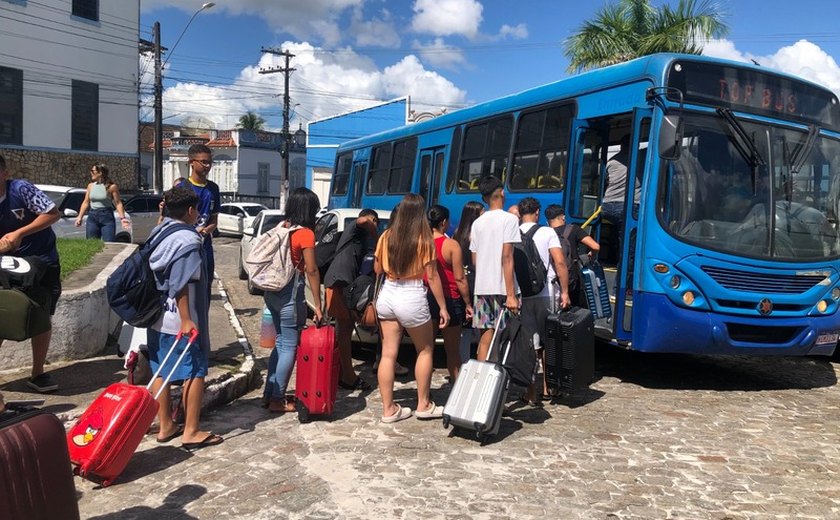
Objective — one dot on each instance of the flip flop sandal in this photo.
(210, 440)
(399, 415)
(177, 433)
(434, 412)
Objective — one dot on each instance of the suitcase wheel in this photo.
(77, 471)
(445, 421)
(106, 483)
(302, 412)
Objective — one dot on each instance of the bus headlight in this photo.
(835, 293)
(688, 297)
(822, 305)
(675, 282)
(661, 268)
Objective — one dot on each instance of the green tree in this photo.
(632, 28)
(251, 121)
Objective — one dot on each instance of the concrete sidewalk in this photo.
(233, 371)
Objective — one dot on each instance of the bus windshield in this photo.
(723, 195)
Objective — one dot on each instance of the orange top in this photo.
(303, 238)
(417, 268)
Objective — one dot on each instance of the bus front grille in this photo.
(762, 282)
(763, 334)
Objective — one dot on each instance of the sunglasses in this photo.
(205, 163)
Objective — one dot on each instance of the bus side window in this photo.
(341, 179)
(402, 166)
(472, 158)
(379, 170)
(454, 160)
(541, 150)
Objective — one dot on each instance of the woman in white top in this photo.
(101, 197)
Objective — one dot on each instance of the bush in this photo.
(76, 253)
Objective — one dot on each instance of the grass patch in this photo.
(76, 253)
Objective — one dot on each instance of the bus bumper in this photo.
(660, 326)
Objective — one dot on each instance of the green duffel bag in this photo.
(23, 304)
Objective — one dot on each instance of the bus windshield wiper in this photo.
(742, 141)
(803, 151)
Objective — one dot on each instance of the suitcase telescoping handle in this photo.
(495, 334)
(190, 340)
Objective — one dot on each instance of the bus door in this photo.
(431, 173)
(358, 181)
(630, 239)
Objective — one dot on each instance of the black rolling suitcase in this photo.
(570, 350)
(36, 479)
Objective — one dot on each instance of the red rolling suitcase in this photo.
(36, 481)
(316, 383)
(109, 431)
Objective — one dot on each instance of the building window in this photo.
(262, 177)
(85, 116)
(11, 106)
(86, 9)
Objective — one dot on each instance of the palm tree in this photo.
(632, 28)
(251, 121)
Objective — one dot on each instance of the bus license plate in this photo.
(828, 338)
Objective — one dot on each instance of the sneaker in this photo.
(42, 383)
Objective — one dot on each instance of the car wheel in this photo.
(216, 233)
(243, 275)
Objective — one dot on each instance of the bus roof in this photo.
(653, 67)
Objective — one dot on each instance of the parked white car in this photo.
(69, 200)
(234, 217)
(265, 220)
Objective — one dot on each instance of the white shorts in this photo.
(404, 301)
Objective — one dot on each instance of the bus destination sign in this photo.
(753, 91)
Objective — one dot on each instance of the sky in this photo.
(444, 54)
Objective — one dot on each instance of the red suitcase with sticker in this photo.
(107, 434)
(316, 383)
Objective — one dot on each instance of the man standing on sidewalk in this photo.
(201, 161)
(26, 217)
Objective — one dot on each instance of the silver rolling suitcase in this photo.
(479, 396)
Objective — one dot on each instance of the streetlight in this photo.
(158, 174)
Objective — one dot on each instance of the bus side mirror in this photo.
(670, 137)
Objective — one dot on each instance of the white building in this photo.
(246, 163)
(68, 88)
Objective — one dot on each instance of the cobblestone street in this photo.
(659, 437)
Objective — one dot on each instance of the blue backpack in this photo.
(132, 289)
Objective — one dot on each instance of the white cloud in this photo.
(803, 59)
(302, 19)
(516, 32)
(441, 55)
(324, 84)
(447, 17)
(376, 32)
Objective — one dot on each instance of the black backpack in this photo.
(132, 289)
(528, 267)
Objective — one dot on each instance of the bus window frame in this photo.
(485, 158)
(349, 161)
(541, 149)
(375, 167)
(454, 159)
(409, 160)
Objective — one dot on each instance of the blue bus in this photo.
(733, 245)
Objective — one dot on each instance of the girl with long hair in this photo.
(405, 254)
(450, 267)
(472, 210)
(288, 305)
(102, 197)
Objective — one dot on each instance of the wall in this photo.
(79, 330)
(53, 47)
(249, 158)
(68, 168)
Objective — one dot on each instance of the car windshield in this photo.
(715, 196)
(55, 196)
(271, 221)
(253, 211)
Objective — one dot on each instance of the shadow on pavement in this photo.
(148, 462)
(722, 373)
(78, 378)
(507, 427)
(172, 507)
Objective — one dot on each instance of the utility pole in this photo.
(284, 150)
(158, 173)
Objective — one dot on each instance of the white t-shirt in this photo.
(489, 233)
(545, 238)
(170, 320)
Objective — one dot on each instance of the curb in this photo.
(219, 390)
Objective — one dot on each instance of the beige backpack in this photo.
(269, 264)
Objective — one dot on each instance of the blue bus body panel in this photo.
(660, 326)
